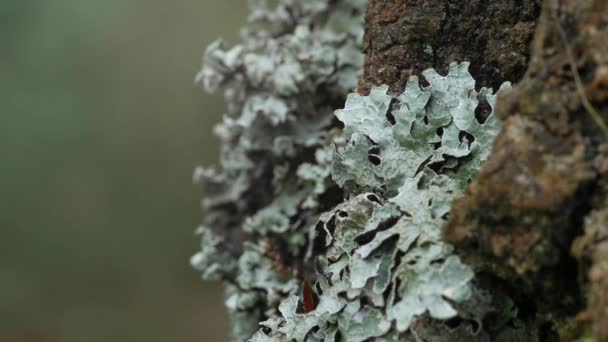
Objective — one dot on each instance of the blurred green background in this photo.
(100, 129)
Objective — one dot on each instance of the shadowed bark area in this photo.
(405, 37)
(545, 182)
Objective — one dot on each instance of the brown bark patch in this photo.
(521, 202)
(544, 177)
(405, 37)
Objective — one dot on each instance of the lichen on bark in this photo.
(541, 188)
(314, 222)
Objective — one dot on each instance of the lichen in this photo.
(383, 246)
(351, 204)
(296, 61)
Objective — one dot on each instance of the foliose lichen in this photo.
(381, 267)
(328, 228)
(296, 62)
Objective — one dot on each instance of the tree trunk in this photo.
(405, 37)
(535, 219)
(532, 226)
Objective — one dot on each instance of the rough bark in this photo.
(405, 37)
(535, 219)
(544, 183)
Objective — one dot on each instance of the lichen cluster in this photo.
(296, 62)
(381, 268)
(328, 228)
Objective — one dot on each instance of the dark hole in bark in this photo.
(342, 214)
(331, 198)
(389, 115)
(387, 291)
(463, 135)
(483, 111)
(423, 82)
(374, 150)
(374, 159)
(365, 238)
(335, 122)
(331, 225)
(388, 223)
(475, 326)
(437, 262)
(373, 198)
(318, 244)
(453, 323)
(318, 288)
(390, 118)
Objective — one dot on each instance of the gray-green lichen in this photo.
(355, 212)
(296, 62)
(380, 263)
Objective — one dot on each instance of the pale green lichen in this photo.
(407, 161)
(433, 127)
(357, 212)
(296, 60)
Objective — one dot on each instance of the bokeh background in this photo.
(100, 129)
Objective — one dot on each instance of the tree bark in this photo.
(535, 220)
(405, 37)
(545, 182)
